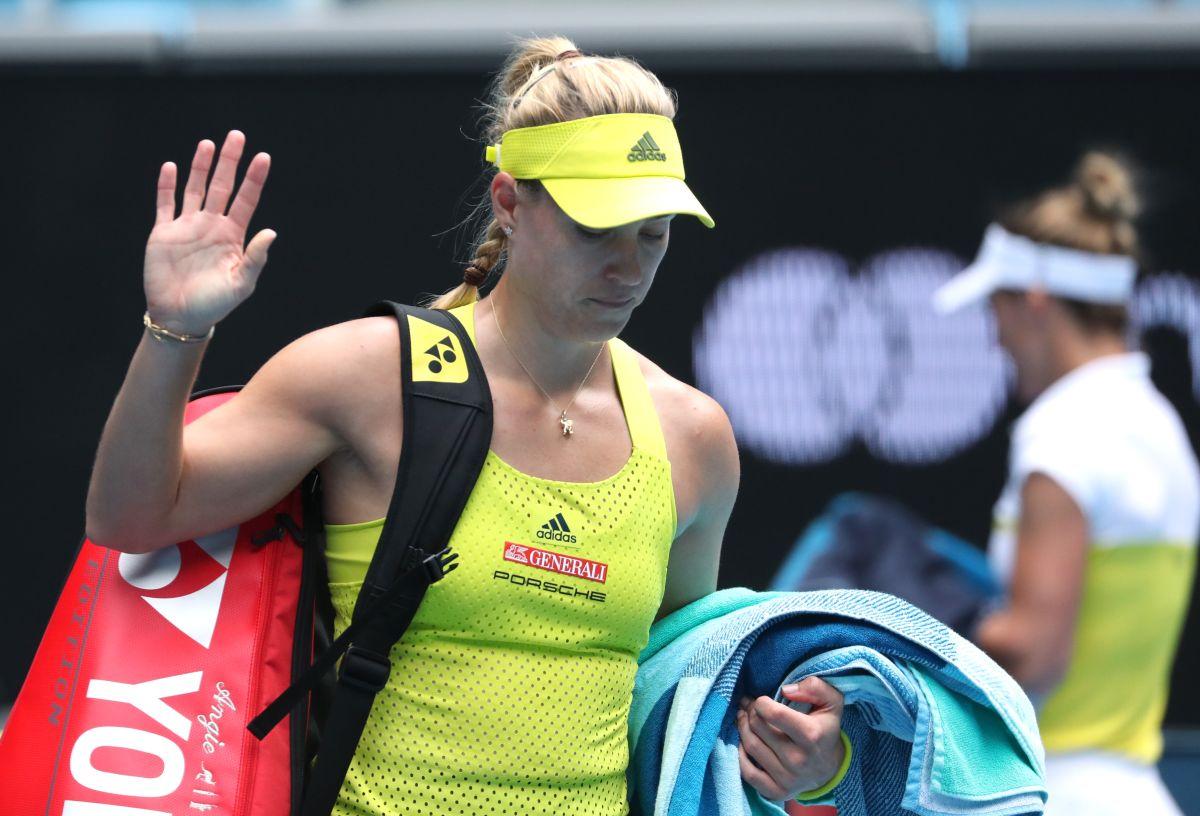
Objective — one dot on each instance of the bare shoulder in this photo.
(686, 412)
(325, 373)
(365, 338)
(355, 349)
(700, 442)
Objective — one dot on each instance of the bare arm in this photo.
(156, 482)
(1034, 636)
(782, 752)
(707, 471)
(152, 478)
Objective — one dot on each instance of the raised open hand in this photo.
(196, 269)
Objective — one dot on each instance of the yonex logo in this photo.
(556, 529)
(441, 355)
(435, 353)
(190, 600)
(646, 149)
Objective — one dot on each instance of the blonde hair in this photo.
(1095, 212)
(543, 81)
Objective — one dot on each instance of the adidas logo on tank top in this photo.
(556, 529)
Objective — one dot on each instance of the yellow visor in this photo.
(603, 171)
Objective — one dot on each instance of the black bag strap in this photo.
(314, 623)
(447, 427)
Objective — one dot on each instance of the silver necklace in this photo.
(568, 425)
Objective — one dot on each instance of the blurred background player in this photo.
(1095, 530)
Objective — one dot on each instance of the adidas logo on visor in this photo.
(556, 529)
(646, 149)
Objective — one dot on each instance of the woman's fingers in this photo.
(815, 691)
(255, 257)
(797, 751)
(758, 749)
(165, 211)
(193, 194)
(221, 186)
(757, 714)
(823, 698)
(214, 197)
(758, 778)
(248, 194)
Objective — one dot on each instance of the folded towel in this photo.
(937, 727)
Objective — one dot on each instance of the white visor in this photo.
(1008, 261)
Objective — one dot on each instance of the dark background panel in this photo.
(373, 171)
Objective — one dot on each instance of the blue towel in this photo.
(937, 727)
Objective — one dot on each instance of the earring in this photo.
(507, 230)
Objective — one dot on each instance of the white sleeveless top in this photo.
(1113, 442)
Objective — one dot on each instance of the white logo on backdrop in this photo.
(1171, 301)
(194, 614)
(808, 358)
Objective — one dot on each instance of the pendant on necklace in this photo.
(568, 425)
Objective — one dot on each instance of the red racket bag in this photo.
(151, 666)
(159, 673)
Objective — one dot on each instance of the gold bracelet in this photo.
(161, 333)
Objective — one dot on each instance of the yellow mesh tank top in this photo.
(510, 692)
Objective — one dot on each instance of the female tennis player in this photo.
(501, 699)
(1096, 528)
